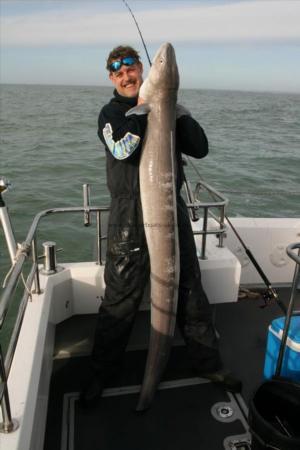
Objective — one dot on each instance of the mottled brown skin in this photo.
(158, 196)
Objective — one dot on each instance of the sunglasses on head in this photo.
(127, 61)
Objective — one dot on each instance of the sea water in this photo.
(50, 147)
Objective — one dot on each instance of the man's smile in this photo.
(128, 79)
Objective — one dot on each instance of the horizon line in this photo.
(259, 91)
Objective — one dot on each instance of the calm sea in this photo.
(49, 148)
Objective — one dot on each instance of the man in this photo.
(127, 263)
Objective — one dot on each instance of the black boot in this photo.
(91, 393)
(224, 379)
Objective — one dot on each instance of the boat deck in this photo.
(186, 410)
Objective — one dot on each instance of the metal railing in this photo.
(290, 310)
(29, 247)
(218, 202)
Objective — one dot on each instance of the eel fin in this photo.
(143, 108)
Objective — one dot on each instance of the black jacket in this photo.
(123, 138)
(127, 266)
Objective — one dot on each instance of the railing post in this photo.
(6, 223)
(37, 288)
(204, 229)
(191, 200)
(290, 308)
(8, 232)
(86, 205)
(222, 222)
(8, 425)
(99, 239)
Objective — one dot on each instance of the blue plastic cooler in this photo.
(291, 360)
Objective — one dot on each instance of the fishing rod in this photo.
(188, 190)
(271, 292)
(138, 28)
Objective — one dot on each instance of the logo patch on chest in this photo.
(124, 147)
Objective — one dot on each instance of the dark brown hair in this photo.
(121, 52)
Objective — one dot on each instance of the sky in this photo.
(220, 44)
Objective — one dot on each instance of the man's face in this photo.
(128, 79)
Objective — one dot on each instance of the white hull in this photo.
(77, 290)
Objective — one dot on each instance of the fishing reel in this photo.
(268, 296)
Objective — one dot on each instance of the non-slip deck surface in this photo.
(243, 329)
(179, 418)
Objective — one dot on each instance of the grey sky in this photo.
(219, 44)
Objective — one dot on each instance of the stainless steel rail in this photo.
(29, 246)
(8, 232)
(292, 254)
(23, 252)
(220, 202)
(290, 310)
(8, 425)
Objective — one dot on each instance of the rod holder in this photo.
(8, 425)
